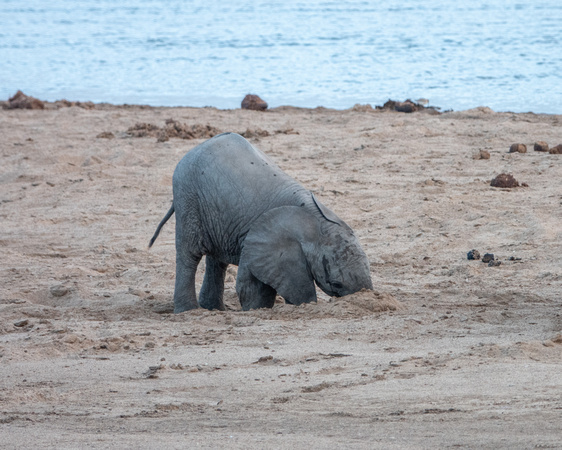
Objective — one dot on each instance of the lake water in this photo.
(505, 54)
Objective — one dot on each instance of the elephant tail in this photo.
(161, 224)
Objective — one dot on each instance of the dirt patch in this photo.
(173, 129)
(22, 101)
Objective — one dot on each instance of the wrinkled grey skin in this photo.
(234, 205)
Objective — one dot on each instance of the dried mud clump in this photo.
(504, 180)
(488, 257)
(407, 106)
(106, 135)
(541, 146)
(556, 150)
(22, 101)
(473, 255)
(255, 133)
(143, 130)
(67, 104)
(173, 129)
(482, 154)
(518, 148)
(254, 103)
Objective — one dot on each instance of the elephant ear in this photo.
(273, 251)
(328, 214)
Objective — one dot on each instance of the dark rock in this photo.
(488, 257)
(407, 107)
(494, 263)
(518, 148)
(473, 255)
(254, 103)
(541, 146)
(556, 150)
(22, 101)
(504, 180)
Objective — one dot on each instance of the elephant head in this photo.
(289, 247)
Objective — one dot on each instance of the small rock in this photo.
(21, 323)
(494, 263)
(473, 255)
(482, 154)
(504, 180)
(556, 150)
(541, 146)
(254, 103)
(518, 148)
(407, 107)
(488, 257)
(58, 290)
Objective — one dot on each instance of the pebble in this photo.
(518, 148)
(21, 323)
(473, 255)
(488, 257)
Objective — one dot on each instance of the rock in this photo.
(482, 154)
(488, 257)
(254, 103)
(22, 101)
(541, 146)
(518, 148)
(494, 263)
(407, 107)
(473, 255)
(58, 290)
(504, 180)
(21, 323)
(556, 150)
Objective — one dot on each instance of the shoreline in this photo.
(364, 107)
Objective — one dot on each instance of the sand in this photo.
(445, 352)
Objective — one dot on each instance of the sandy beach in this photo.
(445, 352)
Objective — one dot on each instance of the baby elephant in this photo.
(234, 205)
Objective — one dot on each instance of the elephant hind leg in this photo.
(253, 294)
(211, 295)
(185, 297)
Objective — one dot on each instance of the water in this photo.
(505, 54)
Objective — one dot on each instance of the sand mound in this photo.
(360, 304)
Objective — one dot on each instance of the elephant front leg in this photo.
(253, 294)
(211, 295)
(185, 297)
